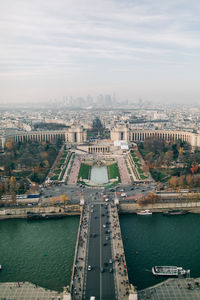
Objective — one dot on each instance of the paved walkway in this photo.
(121, 274)
(125, 177)
(26, 291)
(79, 267)
(73, 177)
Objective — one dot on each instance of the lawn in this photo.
(113, 172)
(84, 171)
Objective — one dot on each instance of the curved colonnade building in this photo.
(74, 134)
(123, 132)
(78, 135)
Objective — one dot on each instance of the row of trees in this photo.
(151, 198)
(185, 181)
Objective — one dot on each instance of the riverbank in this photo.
(75, 210)
(22, 213)
(129, 208)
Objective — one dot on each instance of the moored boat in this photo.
(175, 212)
(0, 267)
(168, 271)
(145, 212)
(40, 216)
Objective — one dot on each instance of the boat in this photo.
(40, 216)
(0, 267)
(175, 212)
(145, 212)
(168, 271)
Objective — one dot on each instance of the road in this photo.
(97, 283)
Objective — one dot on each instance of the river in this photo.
(42, 251)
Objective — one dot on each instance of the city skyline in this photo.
(147, 50)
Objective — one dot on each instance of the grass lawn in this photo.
(84, 171)
(57, 171)
(113, 172)
(55, 177)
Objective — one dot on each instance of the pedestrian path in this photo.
(121, 274)
(125, 177)
(77, 280)
(75, 170)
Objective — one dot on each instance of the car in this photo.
(110, 270)
(122, 190)
(123, 195)
(110, 261)
(92, 210)
(107, 238)
(104, 225)
(101, 269)
(107, 199)
(89, 268)
(104, 244)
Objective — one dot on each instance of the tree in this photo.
(189, 180)
(169, 157)
(9, 144)
(12, 184)
(173, 181)
(64, 199)
(194, 169)
(151, 198)
(181, 151)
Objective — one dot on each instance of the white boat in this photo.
(0, 267)
(168, 271)
(145, 212)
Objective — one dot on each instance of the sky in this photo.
(147, 49)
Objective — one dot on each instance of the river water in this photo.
(42, 251)
(38, 251)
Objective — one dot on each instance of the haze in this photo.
(148, 49)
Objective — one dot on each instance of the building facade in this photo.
(124, 132)
(74, 135)
(121, 132)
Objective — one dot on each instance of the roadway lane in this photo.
(99, 284)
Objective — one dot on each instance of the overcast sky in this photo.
(147, 49)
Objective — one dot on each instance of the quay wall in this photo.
(7, 213)
(159, 207)
(75, 210)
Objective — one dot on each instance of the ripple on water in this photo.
(160, 241)
(41, 252)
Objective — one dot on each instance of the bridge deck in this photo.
(100, 266)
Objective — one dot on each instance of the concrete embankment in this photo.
(129, 208)
(74, 210)
(20, 213)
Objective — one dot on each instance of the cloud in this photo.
(66, 36)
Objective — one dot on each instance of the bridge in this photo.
(99, 268)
